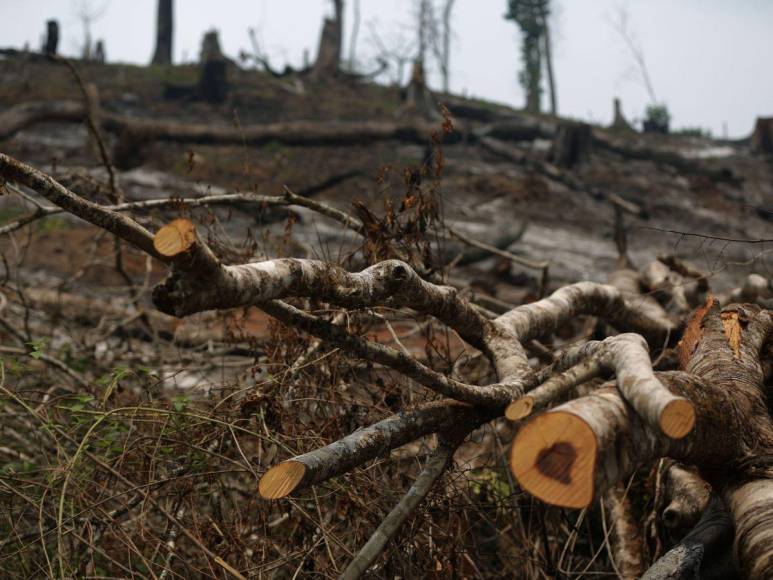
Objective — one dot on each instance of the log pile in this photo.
(587, 420)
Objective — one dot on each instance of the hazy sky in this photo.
(708, 59)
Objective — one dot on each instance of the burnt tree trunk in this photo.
(329, 53)
(164, 31)
(572, 144)
(619, 122)
(52, 37)
(213, 82)
(417, 95)
(100, 56)
(762, 138)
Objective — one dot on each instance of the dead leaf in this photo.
(732, 327)
(693, 333)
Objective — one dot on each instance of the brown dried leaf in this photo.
(693, 333)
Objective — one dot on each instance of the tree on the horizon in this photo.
(531, 16)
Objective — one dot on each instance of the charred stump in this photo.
(762, 138)
(329, 53)
(213, 82)
(417, 94)
(619, 122)
(572, 144)
(99, 52)
(164, 32)
(52, 37)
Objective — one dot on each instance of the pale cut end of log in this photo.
(281, 480)
(677, 418)
(175, 238)
(553, 458)
(520, 408)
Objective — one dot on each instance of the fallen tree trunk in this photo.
(323, 133)
(578, 450)
(22, 116)
(630, 149)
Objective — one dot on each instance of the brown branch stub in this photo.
(175, 238)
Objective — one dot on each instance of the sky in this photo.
(707, 59)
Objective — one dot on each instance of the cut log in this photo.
(363, 445)
(570, 455)
(175, 238)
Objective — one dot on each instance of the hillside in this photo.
(185, 407)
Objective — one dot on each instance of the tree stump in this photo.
(417, 95)
(52, 37)
(762, 138)
(99, 52)
(213, 82)
(619, 122)
(329, 53)
(572, 144)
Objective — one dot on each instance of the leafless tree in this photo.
(444, 52)
(88, 12)
(396, 49)
(621, 23)
(354, 35)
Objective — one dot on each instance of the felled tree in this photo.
(711, 413)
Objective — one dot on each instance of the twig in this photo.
(434, 468)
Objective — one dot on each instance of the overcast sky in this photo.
(709, 60)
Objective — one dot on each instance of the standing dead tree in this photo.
(328, 60)
(164, 32)
(51, 41)
(443, 48)
(711, 413)
(88, 13)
